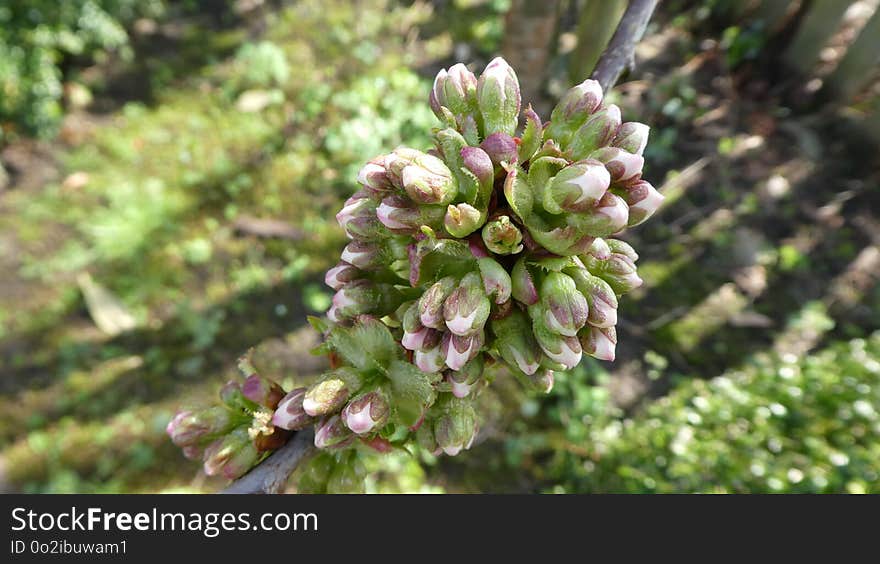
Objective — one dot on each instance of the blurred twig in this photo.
(619, 54)
(271, 475)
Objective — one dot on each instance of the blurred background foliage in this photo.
(169, 173)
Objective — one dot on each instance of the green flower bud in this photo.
(541, 381)
(427, 180)
(632, 137)
(502, 237)
(463, 381)
(515, 343)
(455, 89)
(429, 360)
(600, 297)
(231, 456)
(191, 427)
(619, 271)
(363, 255)
(290, 414)
(456, 428)
(426, 439)
(600, 249)
(498, 98)
(417, 337)
(496, 280)
(462, 219)
(315, 473)
(563, 309)
(623, 248)
(467, 307)
(431, 302)
(396, 161)
(355, 298)
(597, 132)
(573, 109)
(358, 219)
(373, 178)
(347, 477)
(341, 274)
(563, 241)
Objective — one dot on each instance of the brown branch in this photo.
(271, 475)
(619, 53)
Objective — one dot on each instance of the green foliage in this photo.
(778, 425)
(261, 65)
(36, 38)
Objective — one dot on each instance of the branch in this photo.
(619, 53)
(271, 475)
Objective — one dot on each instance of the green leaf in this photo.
(411, 390)
(368, 345)
(542, 170)
(519, 195)
(319, 324)
(531, 137)
(436, 258)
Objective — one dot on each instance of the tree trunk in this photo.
(822, 20)
(529, 30)
(596, 25)
(855, 69)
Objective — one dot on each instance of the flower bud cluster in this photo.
(497, 248)
(234, 435)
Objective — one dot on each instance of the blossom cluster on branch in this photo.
(494, 252)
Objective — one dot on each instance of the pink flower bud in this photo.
(361, 254)
(431, 302)
(366, 412)
(372, 176)
(632, 137)
(624, 168)
(290, 414)
(599, 342)
(341, 274)
(458, 350)
(558, 348)
(331, 432)
(643, 201)
(577, 187)
(430, 360)
(262, 391)
(501, 148)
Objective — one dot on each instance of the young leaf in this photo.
(411, 390)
